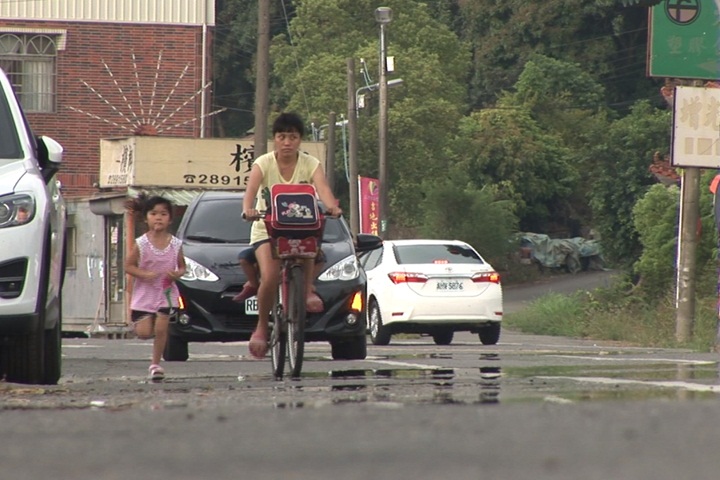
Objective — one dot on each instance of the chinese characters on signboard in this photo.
(182, 162)
(696, 127)
(369, 205)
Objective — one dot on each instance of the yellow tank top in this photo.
(304, 170)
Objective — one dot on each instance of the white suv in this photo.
(32, 242)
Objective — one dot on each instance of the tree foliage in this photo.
(655, 218)
(609, 41)
(621, 176)
(309, 76)
(506, 147)
(516, 102)
(454, 208)
(234, 44)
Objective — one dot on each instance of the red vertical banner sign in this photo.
(369, 205)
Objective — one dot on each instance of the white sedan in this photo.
(431, 287)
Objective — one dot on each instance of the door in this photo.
(114, 270)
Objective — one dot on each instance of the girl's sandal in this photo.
(156, 372)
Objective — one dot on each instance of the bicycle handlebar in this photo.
(259, 216)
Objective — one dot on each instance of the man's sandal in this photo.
(258, 345)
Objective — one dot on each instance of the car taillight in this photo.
(492, 277)
(181, 303)
(403, 277)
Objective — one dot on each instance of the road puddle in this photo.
(405, 383)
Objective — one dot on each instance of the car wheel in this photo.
(176, 349)
(379, 334)
(490, 334)
(349, 349)
(443, 337)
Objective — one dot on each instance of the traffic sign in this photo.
(685, 39)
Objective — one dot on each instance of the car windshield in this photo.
(220, 221)
(9, 142)
(436, 253)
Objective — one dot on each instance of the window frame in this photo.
(29, 59)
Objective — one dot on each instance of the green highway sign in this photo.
(685, 39)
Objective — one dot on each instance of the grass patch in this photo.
(616, 315)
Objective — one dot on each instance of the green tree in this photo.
(309, 76)
(234, 50)
(531, 167)
(655, 218)
(608, 40)
(565, 102)
(456, 209)
(621, 176)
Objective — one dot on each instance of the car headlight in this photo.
(195, 271)
(16, 209)
(345, 269)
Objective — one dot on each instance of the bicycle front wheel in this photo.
(278, 339)
(296, 319)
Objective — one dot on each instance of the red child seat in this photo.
(294, 223)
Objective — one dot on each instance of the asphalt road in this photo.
(530, 407)
(517, 297)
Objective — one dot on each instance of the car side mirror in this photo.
(49, 156)
(365, 242)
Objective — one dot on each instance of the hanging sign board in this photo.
(696, 127)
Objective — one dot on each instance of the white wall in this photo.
(183, 12)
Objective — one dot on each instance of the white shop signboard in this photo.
(202, 163)
(696, 127)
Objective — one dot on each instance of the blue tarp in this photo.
(562, 252)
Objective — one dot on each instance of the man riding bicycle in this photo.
(284, 165)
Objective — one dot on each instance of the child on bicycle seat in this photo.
(285, 164)
(248, 263)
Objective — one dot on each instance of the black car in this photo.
(213, 234)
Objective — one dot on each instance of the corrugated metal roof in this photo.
(183, 12)
(177, 196)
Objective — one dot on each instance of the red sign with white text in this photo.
(369, 193)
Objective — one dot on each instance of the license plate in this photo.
(449, 285)
(251, 306)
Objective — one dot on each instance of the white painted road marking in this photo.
(695, 387)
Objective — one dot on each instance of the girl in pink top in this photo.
(156, 261)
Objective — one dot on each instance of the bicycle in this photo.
(292, 242)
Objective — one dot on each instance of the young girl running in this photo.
(155, 262)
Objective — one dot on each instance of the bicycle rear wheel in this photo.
(278, 339)
(296, 319)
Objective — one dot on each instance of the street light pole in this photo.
(383, 15)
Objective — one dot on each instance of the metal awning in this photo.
(113, 203)
(177, 196)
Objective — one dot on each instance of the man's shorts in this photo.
(249, 253)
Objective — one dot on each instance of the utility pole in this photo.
(383, 15)
(330, 154)
(687, 249)
(262, 75)
(352, 149)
